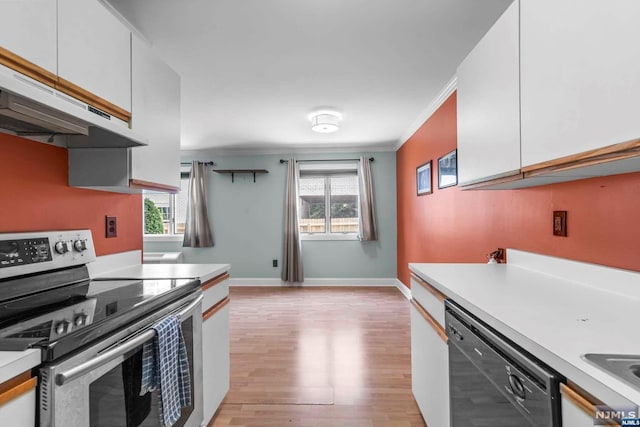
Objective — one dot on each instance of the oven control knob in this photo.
(61, 247)
(515, 384)
(79, 320)
(80, 245)
(60, 328)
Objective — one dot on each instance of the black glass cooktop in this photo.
(65, 318)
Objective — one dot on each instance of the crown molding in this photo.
(448, 89)
(229, 152)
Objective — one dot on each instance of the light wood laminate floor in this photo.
(319, 357)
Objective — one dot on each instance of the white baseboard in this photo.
(242, 281)
(402, 288)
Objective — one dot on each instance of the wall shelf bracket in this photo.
(233, 172)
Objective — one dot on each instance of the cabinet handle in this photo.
(213, 310)
(16, 387)
(436, 293)
(211, 283)
(577, 399)
(433, 322)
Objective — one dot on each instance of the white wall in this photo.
(247, 223)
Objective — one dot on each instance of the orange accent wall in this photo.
(36, 196)
(450, 225)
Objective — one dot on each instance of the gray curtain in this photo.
(292, 256)
(368, 229)
(197, 232)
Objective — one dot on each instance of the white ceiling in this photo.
(253, 70)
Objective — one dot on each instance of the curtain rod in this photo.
(371, 159)
(205, 163)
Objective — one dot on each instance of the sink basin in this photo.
(623, 366)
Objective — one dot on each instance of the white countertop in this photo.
(204, 272)
(14, 363)
(550, 315)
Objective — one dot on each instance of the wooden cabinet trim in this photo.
(577, 399)
(213, 310)
(16, 387)
(615, 152)
(211, 283)
(493, 181)
(146, 185)
(441, 297)
(21, 65)
(574, 394)
(85, 96)
(513, 175)
(623, 150)
(433, 322)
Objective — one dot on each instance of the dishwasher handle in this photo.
(120, 349)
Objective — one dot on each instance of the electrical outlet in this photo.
(560, 223)
(275, 262)
(111, 226)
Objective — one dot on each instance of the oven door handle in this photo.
(119, 350)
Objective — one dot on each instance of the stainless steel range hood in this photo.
(30, 109)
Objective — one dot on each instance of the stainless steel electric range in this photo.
(90, 333)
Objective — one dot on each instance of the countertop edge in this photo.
(168, 271)
(14, 363)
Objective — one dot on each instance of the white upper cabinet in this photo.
(94, 51)
(580, 70)
(29, 30)
(488, 104)
(550, 94)
(156, 115)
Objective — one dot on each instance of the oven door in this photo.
(99, 386)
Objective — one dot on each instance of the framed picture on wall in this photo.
(448, 170)
(423, 179)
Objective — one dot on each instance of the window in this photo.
(328, 202)
(165, 214)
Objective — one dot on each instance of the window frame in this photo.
(172, 236)
(327, 172)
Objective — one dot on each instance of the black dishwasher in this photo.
(492, 382)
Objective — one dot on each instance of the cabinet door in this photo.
(488, 104)
(18, 402)
(429, 371)
(94, 51)
(156, 115)
(577, 411)
(580, 65)
(215, 361)
(29, 30)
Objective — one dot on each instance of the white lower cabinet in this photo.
(18, 403)
(215, 345)
(429, 370)
(577, 410)
(573, 415)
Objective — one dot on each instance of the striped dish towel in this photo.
(165, 367)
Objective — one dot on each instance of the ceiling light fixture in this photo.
(325, 122)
